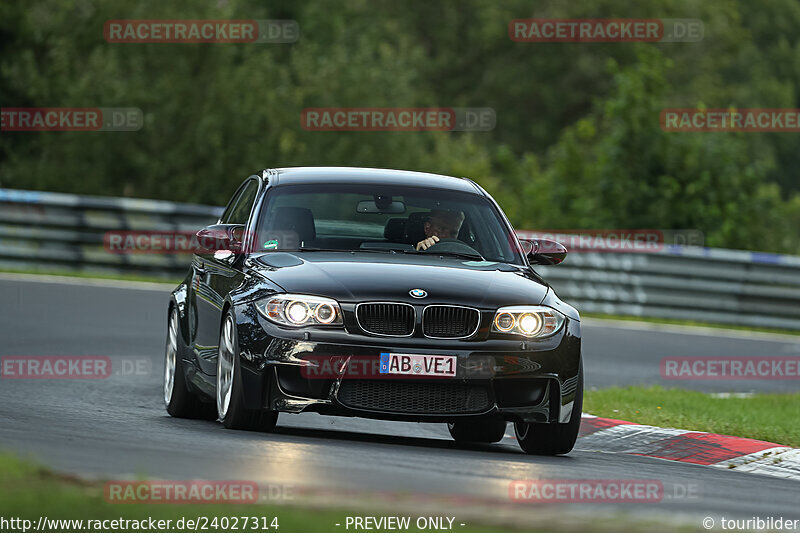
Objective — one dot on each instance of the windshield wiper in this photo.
(457, 254)
(462, 255)
(353, 250)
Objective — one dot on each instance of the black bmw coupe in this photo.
(375, 293)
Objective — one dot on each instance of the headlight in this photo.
(301, 310)
(530, 321)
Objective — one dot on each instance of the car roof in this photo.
(357, 175)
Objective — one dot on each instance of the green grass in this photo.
(93, 275)
(769, 417)
(676, 322)
(28, 492)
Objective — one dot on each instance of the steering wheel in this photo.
(452, 245)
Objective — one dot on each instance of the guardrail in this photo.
(43, 230)
(700, 284)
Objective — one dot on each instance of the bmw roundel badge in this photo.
(417, 293)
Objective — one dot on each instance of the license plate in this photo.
(407, 364)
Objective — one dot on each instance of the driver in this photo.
(441, 224)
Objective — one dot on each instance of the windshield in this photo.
(384, 218)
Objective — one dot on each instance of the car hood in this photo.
(357, 277)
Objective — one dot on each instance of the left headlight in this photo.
(528, 320)
(301, 310)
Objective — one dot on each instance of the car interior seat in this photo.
(297, 219)
(395, 229)
(415, 228)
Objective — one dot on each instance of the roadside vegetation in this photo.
(577, 144)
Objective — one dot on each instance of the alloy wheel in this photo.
(225, 369)
(170, 357)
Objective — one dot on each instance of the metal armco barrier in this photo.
(43, 230)
(701, 284)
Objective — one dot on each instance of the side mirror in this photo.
(544, 252)
(221, 237)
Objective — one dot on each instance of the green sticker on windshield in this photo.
(270, 245)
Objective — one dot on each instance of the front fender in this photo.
(256, 381)
(179, 299)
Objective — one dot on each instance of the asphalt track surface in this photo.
(117, 427)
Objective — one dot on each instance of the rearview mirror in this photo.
(221, 237)
(371, 206)
(544, 252)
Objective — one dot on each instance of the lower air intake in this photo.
(409, 397)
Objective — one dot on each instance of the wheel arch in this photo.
(179, 299)
(255, 380)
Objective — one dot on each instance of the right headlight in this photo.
(301, 310)
(533, 321)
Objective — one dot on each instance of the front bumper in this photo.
(334, 372)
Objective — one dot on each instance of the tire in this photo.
(229, 391)
(178, 399)
(553, 439)
(477, 431)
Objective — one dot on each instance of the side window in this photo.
(239, 211)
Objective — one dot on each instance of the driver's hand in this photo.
(427, 243)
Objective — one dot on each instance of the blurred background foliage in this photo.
(577, 142)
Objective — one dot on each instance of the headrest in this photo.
(297, 219)
(395, 229)
(415, 227)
